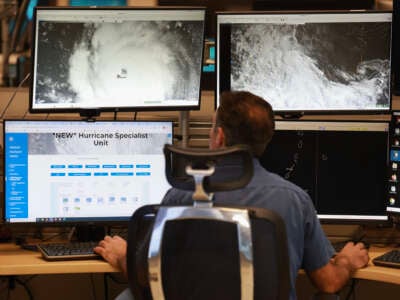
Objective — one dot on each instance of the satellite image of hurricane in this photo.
(115, 64)
(335, 66)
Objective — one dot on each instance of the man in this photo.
(244, 118)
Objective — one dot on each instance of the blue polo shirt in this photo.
(308, 246)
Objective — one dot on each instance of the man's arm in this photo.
(337, 272)
(113, 250)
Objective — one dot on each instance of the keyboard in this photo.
(120, 231)
(338, 246)
(68, 251)
(389, 259)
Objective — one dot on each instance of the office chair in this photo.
(204, 251)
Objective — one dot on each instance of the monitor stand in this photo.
(291, 116)
(89, 115)
(340, 232)
(184, 123)
(79, 233)
(88, 233)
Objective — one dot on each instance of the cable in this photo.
(13, 95)
(54, 236)
(24, 116)
(351, 290)
(116, 280)
(26, 288)
(71, 233)
(11, 286)
(15, 35)
(30, 278)
(8, 293)
(93, 286)
(112, 277)
(105, 281)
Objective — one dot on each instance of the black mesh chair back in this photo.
(207, 252)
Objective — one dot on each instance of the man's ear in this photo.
(220, 137)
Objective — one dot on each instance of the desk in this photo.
(382, 274)
(375, 273)
(16, 261)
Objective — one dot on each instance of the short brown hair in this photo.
(246, 119)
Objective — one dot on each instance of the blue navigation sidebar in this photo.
(16, 177)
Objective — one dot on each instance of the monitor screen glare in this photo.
(117, 59)
(308, 62)
(70, 171)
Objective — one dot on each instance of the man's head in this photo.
(242, 118)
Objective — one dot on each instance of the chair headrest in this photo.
(233, 167)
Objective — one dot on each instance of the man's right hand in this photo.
(357, 254)
(335, 274)
(113, 250)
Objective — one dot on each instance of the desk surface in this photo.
(16, 261)
(383, 274)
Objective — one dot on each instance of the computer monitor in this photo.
(114, 59)
(73, 172)
(393, 198)
(308, 62)
(396, 47)
(212, 6)
(342, 165)
(312, 4)
(97, 2)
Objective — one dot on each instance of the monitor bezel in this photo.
(289, 114)
(312, 4)
(382, 219)
(103, 221)
(393, 211)
(100, 109)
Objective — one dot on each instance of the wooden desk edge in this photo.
(376, 273)
(64, 267)
(16, 261)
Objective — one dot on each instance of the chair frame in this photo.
(238, 216)
(203, 209)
